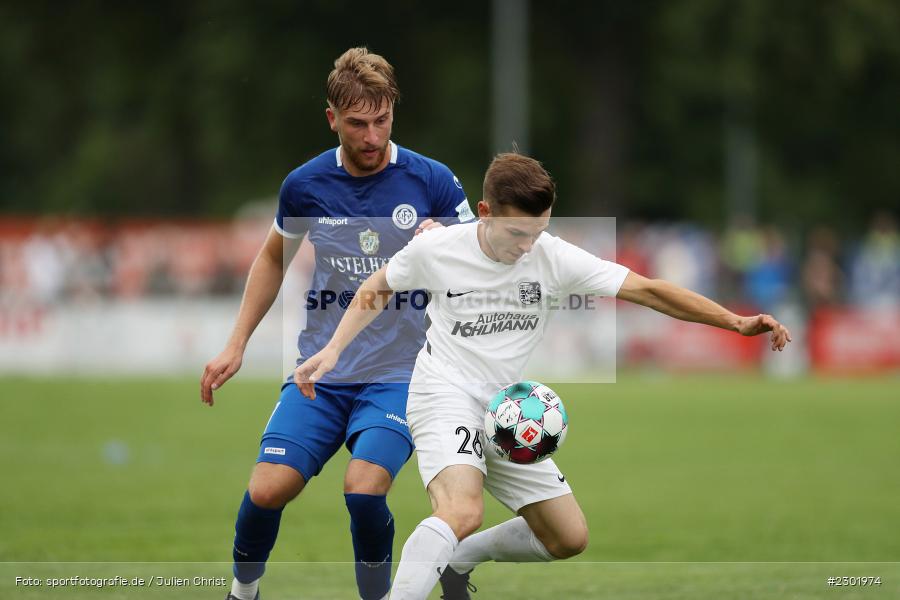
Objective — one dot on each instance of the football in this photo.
(526, 422)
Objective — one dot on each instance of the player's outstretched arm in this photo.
(681, 303)
(263, 283)
(370, 299)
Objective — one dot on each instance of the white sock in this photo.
(510, 541)
(244, 591)
(428, 549)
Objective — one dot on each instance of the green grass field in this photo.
(694, 487)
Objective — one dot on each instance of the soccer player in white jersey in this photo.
(475, 273)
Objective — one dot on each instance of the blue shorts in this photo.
(304, 433)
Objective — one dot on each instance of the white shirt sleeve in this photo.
(404, 270)
(580, 272)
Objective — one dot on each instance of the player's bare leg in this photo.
(363, 477)
(456, 497)
(559, 524)
(371, 524)
(271, 487)
(547, 530)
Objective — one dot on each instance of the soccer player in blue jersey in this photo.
(358, 203)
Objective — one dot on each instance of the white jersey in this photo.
(485, 318)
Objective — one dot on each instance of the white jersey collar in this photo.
(337, 154)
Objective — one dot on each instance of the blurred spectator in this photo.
(768, 280)
(631, 251)
(821, 276)
(875, 271)
(44, 265)
(135, 251)
(740, 249)
(683, 255)
(88, 268)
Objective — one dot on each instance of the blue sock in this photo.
(372, 528)
(254, 536)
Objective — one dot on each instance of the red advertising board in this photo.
(689, 346)
(647, 337)
(855, 340)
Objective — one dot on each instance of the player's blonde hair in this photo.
(519, 181)
(361, 78)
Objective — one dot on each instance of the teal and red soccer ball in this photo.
(526, 422)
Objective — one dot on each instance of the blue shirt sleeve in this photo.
(291, 220)
(449, 204)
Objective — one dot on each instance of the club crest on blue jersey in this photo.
(368, 241)
(405, 216)
(529, 292)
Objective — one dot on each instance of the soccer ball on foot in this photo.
(526, 422)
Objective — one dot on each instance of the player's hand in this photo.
(763, 323)
(428, 224)
(218, 371)
(313, 369)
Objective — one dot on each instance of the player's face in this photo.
(365, 132)
(510, 233)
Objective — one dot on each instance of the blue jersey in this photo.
(356, 224)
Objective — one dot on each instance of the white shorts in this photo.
(447, 427)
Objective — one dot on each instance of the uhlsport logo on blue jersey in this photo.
(396, 418)
(333, 221)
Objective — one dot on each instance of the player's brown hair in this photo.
(519, 181)
(361, 78)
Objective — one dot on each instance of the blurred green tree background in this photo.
(645, 110)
